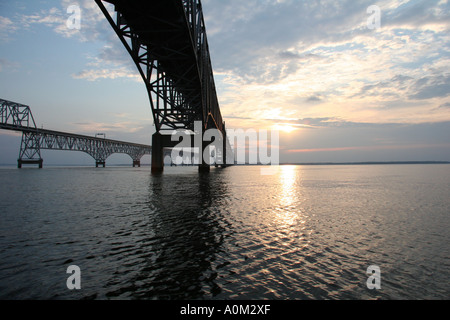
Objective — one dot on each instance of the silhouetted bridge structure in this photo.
(18, 117)
(167, 41)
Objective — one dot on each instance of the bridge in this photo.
(18, 117)
(167, 42)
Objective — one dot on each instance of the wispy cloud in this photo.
(92, 126)
(432, 87)
(56, 18)
(103, 73)
(370, 148)
(6, 64)
(445, 106)
(111, 61)
(7, 27)
(319, 59)
(125, 130)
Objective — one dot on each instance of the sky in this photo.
(338, 87)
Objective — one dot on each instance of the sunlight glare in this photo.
(284, 127)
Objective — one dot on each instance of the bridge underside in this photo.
(18, 117)
(35, 140)
(167, 41)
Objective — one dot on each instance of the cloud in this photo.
(291, 55)
(6, 64)
(314, 98)
(423, 14)
(393, 87)
(123, 130)
(302, 48)
(318, 60)
(92, 26)
(111, 61)
(53, 18)
(330, 122)
(264, 32)
(299, 59)
(102, 73)
(100, 126)
(370, 148)
(432, 87)
(7, 27)
(401, 90)
(445, 106)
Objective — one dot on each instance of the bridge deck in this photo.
(68, 135)
(18, 117)
(169, 36)
(162, 26)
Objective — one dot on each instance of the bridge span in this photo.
(18, 117)
(167, 41)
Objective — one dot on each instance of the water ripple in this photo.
(305, 233)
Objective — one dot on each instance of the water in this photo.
(307, 232)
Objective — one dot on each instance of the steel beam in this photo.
(18, 117)
(167, 41)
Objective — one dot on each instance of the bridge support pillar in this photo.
(224, 147)
(99, 163)
(157, 153)
(203, 166)
(21, 162)
(136, 163)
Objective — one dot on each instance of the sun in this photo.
(284, 127)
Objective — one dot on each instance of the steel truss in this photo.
(167, 42)
(98, 148)
(15, 115)
(18, 117)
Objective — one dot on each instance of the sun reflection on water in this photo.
(287, 212)
(288, 177)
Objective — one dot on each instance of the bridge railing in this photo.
(194, 16)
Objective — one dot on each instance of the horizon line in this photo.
(259, 164)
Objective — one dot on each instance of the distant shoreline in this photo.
(281, 164)
(350, 163)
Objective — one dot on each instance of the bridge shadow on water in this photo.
(186, 230)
